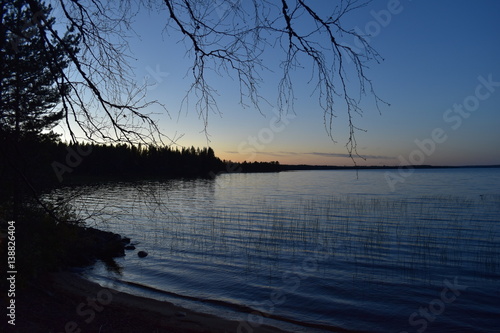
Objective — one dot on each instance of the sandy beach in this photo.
(64, 302)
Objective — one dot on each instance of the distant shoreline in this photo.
(260, 167)
(306, 167)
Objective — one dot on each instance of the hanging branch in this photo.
(225, 37)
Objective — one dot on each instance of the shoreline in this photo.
(65, 302)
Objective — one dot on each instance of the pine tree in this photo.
(30, 75)
(31, 71)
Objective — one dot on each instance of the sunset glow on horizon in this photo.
(440, 78)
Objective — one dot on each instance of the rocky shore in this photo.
(64, 302)
(94, 244)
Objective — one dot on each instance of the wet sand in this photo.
(67, 303)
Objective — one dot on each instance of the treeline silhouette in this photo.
(273, 166)
(125, 161)
(49, 163)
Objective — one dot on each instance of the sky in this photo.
(440, 74)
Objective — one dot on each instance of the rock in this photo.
(125, 240)
(87, 244)
(129, 247)
(142, 254)
(103, 244)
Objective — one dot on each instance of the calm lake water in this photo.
(313, 251)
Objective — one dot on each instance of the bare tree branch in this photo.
(224, 37)
(232, 44)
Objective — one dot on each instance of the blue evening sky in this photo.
(440, 75)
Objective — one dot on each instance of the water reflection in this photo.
(408, 236)
(242, 242)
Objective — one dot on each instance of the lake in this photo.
(312, 251)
